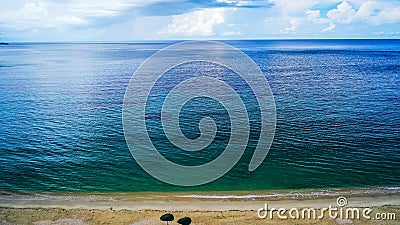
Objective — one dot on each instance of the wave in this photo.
(304, 194)
(240, 195)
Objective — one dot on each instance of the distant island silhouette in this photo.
(3, 43)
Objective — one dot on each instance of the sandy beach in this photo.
(203, 208)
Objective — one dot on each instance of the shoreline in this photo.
(204, 208)
(198, 201)
(272, 193)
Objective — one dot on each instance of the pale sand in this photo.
(204, 208)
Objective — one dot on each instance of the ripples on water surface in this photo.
(337, 109)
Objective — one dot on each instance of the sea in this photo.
(337, 117)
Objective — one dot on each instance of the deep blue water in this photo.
(338, 117)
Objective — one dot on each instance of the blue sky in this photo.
(130, 20)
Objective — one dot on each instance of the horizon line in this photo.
(180, 40)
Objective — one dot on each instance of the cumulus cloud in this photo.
(197, 23)
(298, 14)
(368, 8)
(347, 13)
(370, 11)
(344, 12)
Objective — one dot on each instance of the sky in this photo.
(133, 20)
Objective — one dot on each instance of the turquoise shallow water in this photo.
(337, 117)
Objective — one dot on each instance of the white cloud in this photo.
(197, 23)
(294, 23)
(390, 15)
(296, 7)
(27, 15)
(101, 20)
(35, 8)
(243, 2)
(306, 17)
(298, 13)
(331, 27)
(344, 13)
(367, 9)
(370, 11)
(39, 14)
(313, 15)
(290, 8)
(95, 8)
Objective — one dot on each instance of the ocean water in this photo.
(337, 105)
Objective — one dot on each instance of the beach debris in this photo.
(185, 221)
(167, 217)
